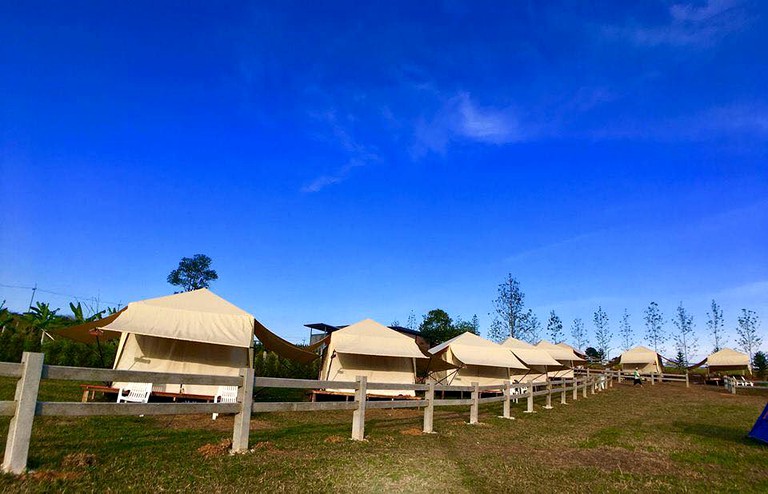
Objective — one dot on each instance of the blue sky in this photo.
(340, 160)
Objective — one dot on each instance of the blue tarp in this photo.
(760, 430)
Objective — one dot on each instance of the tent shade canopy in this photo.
(559, 353)
(530, 355)
(375, 351)
(471, 349)
(727, 359)
(642, 358)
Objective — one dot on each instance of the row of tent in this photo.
(198, 332)
(649, 361)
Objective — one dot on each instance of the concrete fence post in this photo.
(530, 398)
(584, 389)
(474, 410)
(358, 416)
(429, 410)
(733, 385)
(20, 428)
(575, 388)
(242, 427)
(687, 381)
(593, 385)
(507, 414)
(548, 406)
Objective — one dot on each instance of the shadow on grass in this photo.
(730, 434)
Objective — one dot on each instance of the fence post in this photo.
(575, 388)
(530, 398)
(429, 410)
(584, 389)
(242, 427)
(563, 390)
(358, 416)
(20, 428)
(733, 385)
(475, 408)
(593, 385)
(548, 406)
(507, 398)
(687, 381)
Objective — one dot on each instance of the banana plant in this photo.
(80, 318)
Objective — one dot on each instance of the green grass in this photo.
(656, 438)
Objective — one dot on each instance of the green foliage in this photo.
(437, 326)
(462, 326)
(594, 355)
(193, 273)
(760, 364)
(529, 327)
(269, 364)
(555, 328)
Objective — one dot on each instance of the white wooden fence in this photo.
(31, 371)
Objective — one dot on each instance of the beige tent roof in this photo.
(639, 355)
(529, 354)
(368, 337)
(474, 350)
(728, 358)
(199, 316)
(558, 352)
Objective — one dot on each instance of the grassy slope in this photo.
(660, 438)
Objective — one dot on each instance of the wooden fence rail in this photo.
(26, 405)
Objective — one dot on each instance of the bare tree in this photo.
(654, 327)
(579, 334)
(508, 308)
(747, 331)
(555, 328)
(602, 333)
(715, 324)
(685, 338)
(625, 331)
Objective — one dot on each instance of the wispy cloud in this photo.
(553, 247)
(359, 154)
(693, 25)
(461, 118)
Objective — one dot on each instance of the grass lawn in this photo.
(651, 439)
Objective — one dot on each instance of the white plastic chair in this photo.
(134, 393)
(744, 382)
(225, 394)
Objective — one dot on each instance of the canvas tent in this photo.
(474, 360)
(538, 361)
(728, 360)
(641, 358)
(370, 349)
(195, 332)
(565, 355)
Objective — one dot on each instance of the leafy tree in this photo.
(747, 332)
(715, 323)
(602, 332)
(508, 307)
(685, 338)
(680, 361)
(594, 356)
(555, 328)
(760, 364)
(193, 273)
(5, 316)
(654, 327)
(625, 331)
(77, 312)
(529, 327)
(579, 334)
(438, 327)
(461, 326)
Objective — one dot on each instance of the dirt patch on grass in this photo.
(411, 432)
(51, 476)
(334, 439)
(216, 449)
(79, 460)
(222, 423)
